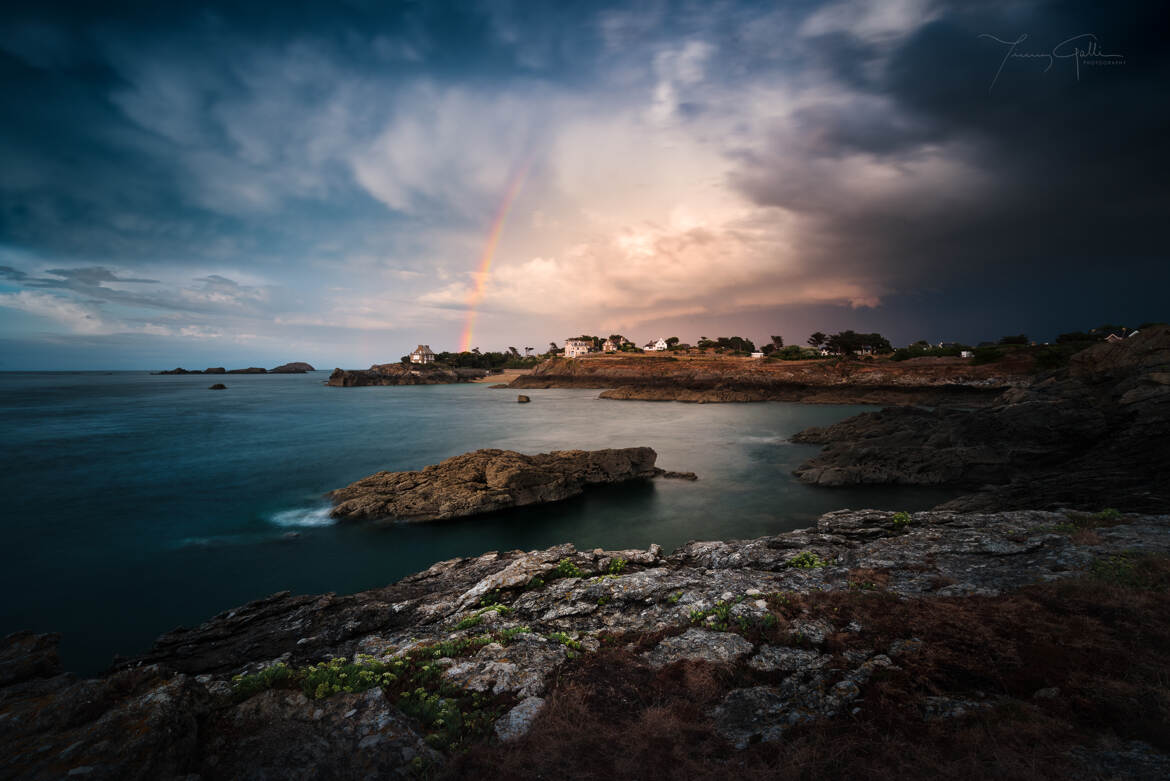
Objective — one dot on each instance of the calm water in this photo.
(137, 503)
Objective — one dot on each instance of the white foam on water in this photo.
(303, 516)
(774, 439)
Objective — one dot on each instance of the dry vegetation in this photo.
(1100, 640)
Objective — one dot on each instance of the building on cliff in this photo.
(577, 347)
(422, 354)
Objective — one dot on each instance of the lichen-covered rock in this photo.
(772, 658)
(486, 481)
(516, 722)
(699, 645)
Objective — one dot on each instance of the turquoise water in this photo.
(137, 503)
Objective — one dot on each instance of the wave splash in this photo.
(303, 516)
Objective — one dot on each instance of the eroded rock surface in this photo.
(486, 481)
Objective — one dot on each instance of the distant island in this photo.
(297, 367)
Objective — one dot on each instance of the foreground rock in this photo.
(497, 632)
(1094, 434)
(402, 374)
(486, 481)
(712, 379)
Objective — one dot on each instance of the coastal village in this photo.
(819, 345)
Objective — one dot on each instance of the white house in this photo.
(610, 346)
(967, 354)
(757, 355)
(1114, 338)
(422, 354)
(656, 346)
(577, 347)
(826, 351)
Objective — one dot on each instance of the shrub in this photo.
(900, 520)
(807, 560)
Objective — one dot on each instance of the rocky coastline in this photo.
(1020, 629)
(467, 667)
(1093, 434)
(402, 374)
(486, 481)
(935, 382)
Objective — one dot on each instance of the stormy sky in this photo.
(248, 184)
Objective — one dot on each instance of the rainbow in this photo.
(489, 251)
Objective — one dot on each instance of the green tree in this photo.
(817, 339)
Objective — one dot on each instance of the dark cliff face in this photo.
(402, 374)
(1090, 436)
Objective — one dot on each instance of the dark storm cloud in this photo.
(1068, 173)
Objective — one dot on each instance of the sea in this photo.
(137, 503)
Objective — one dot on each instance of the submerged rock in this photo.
(485, 481)
(217, 386)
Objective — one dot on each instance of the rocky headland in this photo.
(403, 374)
(487, 481)
(1093, 434)
(933, 381)
(1027, 644)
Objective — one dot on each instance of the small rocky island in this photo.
(486, 481)
(297, 367)
(403, 374)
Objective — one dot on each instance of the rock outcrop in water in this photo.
(1094, 434)
(296, 367)
(775, 634)
(937, 381)
(485, 481)
(403, 374)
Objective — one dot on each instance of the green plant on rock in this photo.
(271, 677)
(470, 621)
(340, 675)
(674, 598)
(567, 569)
(807, 560)
(509, 635)
(565, 640)
(900, 520)
(616, 566)
(1108, 514)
